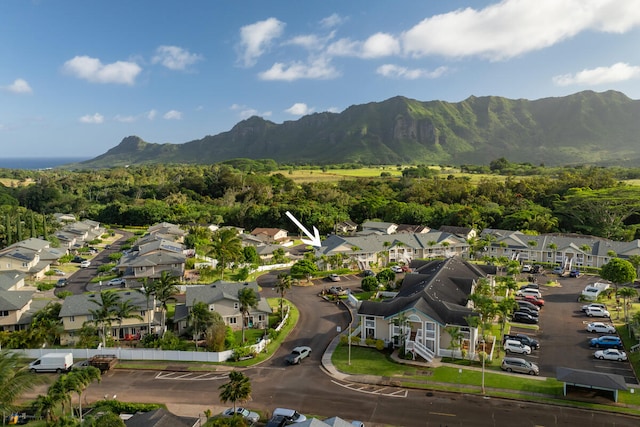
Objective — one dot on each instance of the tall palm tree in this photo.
(627, 293)
(238, 389)
(79, 380)
(248, 300)
(283, 284)
(165, 290)
(15, 379)
(226, 247)
(104, 315)
(126, 310)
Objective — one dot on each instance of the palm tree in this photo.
(200, 319)
(80, 379)
(149, 290)
(126, 310)
(15, 379)
(627, 293)
(248, 300)
(238, 389)
(104, 315)
(165, 290)
(283, 284)
(226, 247)
(456, 339)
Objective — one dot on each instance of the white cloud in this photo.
(299, 109)
(256, 38)
(618, 72)
(245, 112)
(151, 114)
(514, 27)
(175, 58)
(125, 119)
(97, 118)
(319, 68)
(398, 72)
(91, 69)
(172, 115)
(19, 86)
(379, 45)
(332, 21)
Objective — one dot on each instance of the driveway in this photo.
(564, 341)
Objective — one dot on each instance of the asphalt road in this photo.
(309, 389)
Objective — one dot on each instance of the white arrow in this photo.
(315, 237)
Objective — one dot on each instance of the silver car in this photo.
(516, 364)
(248, 415)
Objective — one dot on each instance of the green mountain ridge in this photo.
(583, 128)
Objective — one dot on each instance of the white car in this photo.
(594, 304)
(601, 328)
(513, 346)
(529, 291)
(597, 312)
(396, 269)
(248, 415)
(85, 264)
(526, 268)
(118, 281)
(610, 354)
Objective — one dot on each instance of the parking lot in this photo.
(564, 340)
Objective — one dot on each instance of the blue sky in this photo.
(78, 76)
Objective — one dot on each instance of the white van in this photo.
(52, 362)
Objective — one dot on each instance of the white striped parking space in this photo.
(191, 376)
(369, 389)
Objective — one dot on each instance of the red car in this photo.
(533, 300)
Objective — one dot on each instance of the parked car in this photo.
(337, 290)
(334, 277)
(530, 286)
(601, 328)
(610, 354)
(526, 268)
(513, 346)
(558, 270)
(524, 339)
(537, 269)
(533, 300)
(58, 272)
(606, 341)
(523, 317)
(61, 283)
(78, 259)
(118, 281)
(594, 304)
(530, 311)
(297, 355)
(248, 415)
(278, 421)
(292, 415)
(528, 292)
(574, 273)
(516, 364)
(368, 273)
(85, 264)
(597, 312)
(523, 303)
(396, 269)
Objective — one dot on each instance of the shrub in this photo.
(118, 407)
(380, 345)
(369, 284)
(45, 286)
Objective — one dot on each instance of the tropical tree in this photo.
(165, 291)
(104, 315)
(618, 271)
(283, 284)
(125, 309)
(401, 321)
(15, 380)
(79, 380)
(627, 293)
(200, 319)
(216, 333)
(226, 247)
(149, 291)
(304, 268)
(248, 299)
(238, 389)
(456, 337)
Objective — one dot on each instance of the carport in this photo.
(591, 380)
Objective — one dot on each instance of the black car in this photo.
(278, 421)
(78, 259)
(531, 311)
(574, 273)
(522, 317)
(368, 273)
(527, 304)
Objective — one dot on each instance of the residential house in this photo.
(136, 267)
(463, 232)
(346, 227)
(15, 301)
(329, 422)
(160, 418)
(270, 235)
(431, 299)
(77, 234)
(377, 227)
(64, 218)
(222, 297)
(412, 229)
(167, 231)
(566, 250)
(24, 260)
(78, 309)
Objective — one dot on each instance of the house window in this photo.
(72, 318)
(212, 307)
(143, 313)
(260, 317)
(369, 327)
(4, 313)
(233, 320)
(236, 305)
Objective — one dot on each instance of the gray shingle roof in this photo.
(593, 379)
(80, 305)
(217, 291)
(440, 289)
(160, 418)
(14, 300)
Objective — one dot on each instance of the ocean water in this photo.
(33, 163)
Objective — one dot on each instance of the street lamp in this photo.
(349, 340)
